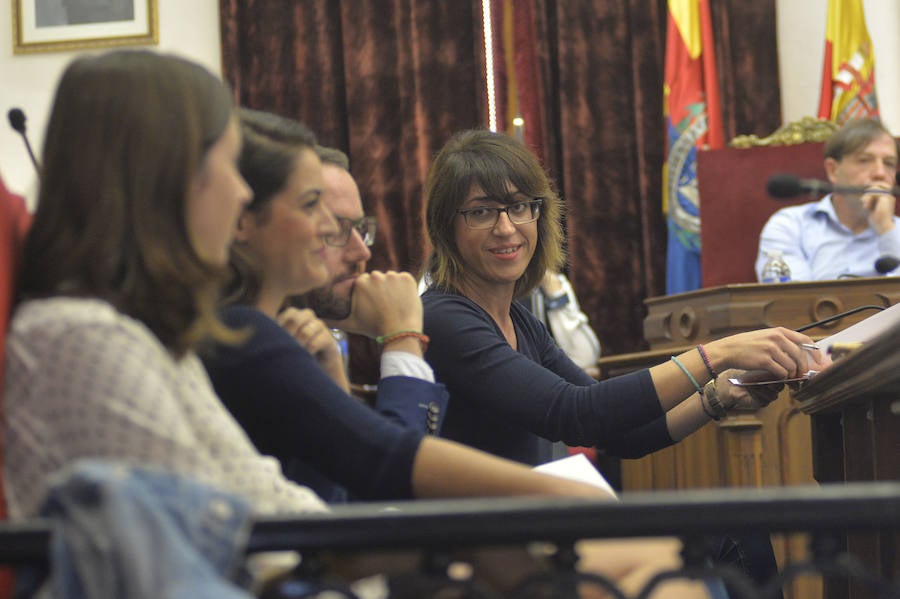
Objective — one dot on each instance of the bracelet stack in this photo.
(709, 394)
(385, 340)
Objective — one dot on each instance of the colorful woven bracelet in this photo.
(689, 375)
(397, 335)
(703, 356)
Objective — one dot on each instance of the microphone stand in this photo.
(838, 317)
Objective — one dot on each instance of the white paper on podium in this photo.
(864, 330)
(577, 467)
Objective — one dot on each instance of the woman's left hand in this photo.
(745, 399)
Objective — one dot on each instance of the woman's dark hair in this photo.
(493, 161)
(128, 132)
(272, 145)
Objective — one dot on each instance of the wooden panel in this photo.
(688, 318)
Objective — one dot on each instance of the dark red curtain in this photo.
(387, 81)
(390, 80)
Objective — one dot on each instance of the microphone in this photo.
(17, 122)
(786, 185)
(886, 264)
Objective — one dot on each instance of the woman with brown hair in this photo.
(495, 224)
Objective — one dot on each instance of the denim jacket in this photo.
(121, 532)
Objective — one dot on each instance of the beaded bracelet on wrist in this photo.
(705, 357)
(385, 340)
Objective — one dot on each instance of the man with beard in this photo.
(346, 257)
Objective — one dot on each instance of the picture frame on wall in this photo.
(64, 25)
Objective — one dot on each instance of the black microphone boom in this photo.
(839, 316)
(785, 185)
(17, 122)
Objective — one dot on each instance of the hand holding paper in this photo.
(776, 351)
(817, 360)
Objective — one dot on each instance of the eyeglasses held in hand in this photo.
(365, 226)
(486, 217)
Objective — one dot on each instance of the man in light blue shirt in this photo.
(842, 235)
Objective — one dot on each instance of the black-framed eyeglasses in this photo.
(365, 226)
(486, 217)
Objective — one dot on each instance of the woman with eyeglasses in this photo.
(494, 222)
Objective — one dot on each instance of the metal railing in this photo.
(439, 529)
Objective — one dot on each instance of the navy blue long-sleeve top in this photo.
(514, 403)
(292, 410)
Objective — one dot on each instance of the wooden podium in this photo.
(773, 446)
(855, 412)
(763, 444)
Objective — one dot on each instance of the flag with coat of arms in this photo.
(693, 117)
(848, 72)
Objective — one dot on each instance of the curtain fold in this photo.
(609, 130)
(387, 81)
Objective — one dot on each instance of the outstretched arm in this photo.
(776, 350)
(443, 468)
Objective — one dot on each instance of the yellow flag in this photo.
(848, 74)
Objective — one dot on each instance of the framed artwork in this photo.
(61, 25)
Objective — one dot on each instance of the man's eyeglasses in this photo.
(486, 217)
(365, 226)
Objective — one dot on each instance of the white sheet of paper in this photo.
(576, 467)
